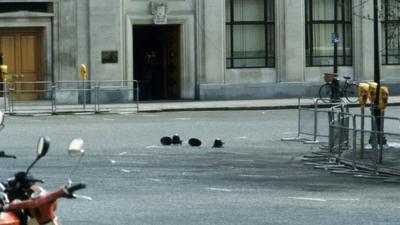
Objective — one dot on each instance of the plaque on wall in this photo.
(109, 57)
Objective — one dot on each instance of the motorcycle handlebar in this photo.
(4, 155)
(76, 187)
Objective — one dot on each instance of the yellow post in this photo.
(83, 71)
(4, 71)
(363, 91)
(383, 98)
(372, 91)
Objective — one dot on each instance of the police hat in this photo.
(194, 142)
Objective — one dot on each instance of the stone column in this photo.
(214, 43)
(68, 40)
(294, 40)
(364, 40)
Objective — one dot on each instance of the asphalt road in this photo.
(254, 179)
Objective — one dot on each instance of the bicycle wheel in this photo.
(325, 93)
(351, 93)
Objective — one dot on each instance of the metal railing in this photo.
(312, 119)
(355, 145)
(70, 96)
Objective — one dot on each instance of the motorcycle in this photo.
(23, 202)
(2, 153)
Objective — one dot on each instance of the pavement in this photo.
(259, 104)
(34, 107)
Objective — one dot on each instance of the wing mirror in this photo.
(1, 120)
(43, 146)
(42, 149)
(2, 188)
(75, 149)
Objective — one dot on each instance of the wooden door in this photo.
(172, 61)
(22, 50)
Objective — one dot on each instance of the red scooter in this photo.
(23, 202)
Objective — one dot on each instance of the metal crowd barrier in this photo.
(372, 154)
(70, 96)
(355, 146)
(312, 119)
(73, 96)
(125, 91)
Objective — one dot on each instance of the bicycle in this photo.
(332, 91)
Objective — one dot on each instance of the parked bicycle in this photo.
(333, 90)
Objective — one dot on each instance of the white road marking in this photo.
(123, 153)
(326, 200)
(183, 119)
(345, 199)
(108, 119)
(152, 179)
(137, 162)
(243, 160)
(219, 189)
(125, 171)
(309, 199)
(252, 175)
(113, 161)
(153, 146)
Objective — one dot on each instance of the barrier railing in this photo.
(355, 145)
(20, 95)
(71, 96)
(126, 91)
(310, 117)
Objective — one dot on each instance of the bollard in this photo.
(84, 77)
(363, 93)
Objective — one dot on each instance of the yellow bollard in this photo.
(4, 71)
(383, 98)
(363, 91)
(83, 71)
(372, 91)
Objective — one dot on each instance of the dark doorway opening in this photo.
(156, 61)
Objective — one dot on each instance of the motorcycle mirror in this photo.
(43, 146)
(76, 148)
(42, 149)
(1, 120)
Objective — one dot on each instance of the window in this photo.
(25, 6)
(250, 33)
(320, 24)
(390, 32)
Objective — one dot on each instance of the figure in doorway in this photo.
(149, 74)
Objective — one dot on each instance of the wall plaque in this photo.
(109, 57)
(159, 11)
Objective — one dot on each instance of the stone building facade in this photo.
(192, 49)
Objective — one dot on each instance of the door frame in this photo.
(164, 81)
(187, 49)
(39, 20)
(18, 33)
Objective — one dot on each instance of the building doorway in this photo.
(156, 60)
(22, 51)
